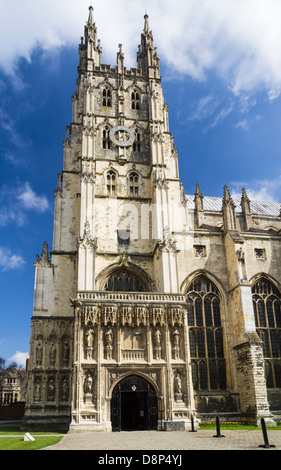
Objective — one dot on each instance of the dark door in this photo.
(134, 405)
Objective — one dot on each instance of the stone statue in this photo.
(108, 344)
(157, 344)
(39, 354)
(176, 345)
(51, 390)
(89, 344)
(53, 354)
(178, 387)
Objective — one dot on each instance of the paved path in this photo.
(171, 441)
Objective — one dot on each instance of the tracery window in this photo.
(134, 184)
(135, 99)
(106, 141)
(106, 97)
(205, 335)
(111, 183)
(123, 280)
(267, 310)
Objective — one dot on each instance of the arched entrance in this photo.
(134, 405)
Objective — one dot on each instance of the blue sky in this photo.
(221, 74)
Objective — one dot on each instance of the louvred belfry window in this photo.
(267, 310)
(205, 335)
(106, 97)
(135, 100)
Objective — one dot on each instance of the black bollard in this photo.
(192, 425)
(218, 428)
(266, 444)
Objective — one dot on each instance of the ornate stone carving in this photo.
(160, 180)
(168, 243)
(175, 316)
(86, 240)
(44, 260)
(109, 314)
(157, 316)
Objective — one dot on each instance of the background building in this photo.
(152, 305)
(13, 386)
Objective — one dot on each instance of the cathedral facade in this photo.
(153, 306)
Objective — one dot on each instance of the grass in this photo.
(238, 426)
(42, 439)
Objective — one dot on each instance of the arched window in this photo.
(124, 280)
(137, 143)
(111, 183)
(205, 335)
(134, 184)
(106, 142)
(106, 97)
(267, 310)
(135, 99)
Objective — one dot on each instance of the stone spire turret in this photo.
(228, 209)
(246, 209)
(90, 51)
(147, 57)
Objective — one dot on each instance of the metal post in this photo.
(192, 425)
(218, 428)
(265, 438)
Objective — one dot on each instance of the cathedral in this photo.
(153, 309)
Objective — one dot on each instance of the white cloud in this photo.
(239, 40)
(246, 123)
(10, 261)
(19, 358)
(206, 106)
(16, 202)
(258, 190)
(30, 200)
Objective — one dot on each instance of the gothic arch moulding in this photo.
(191, 277)
(138, 374)
(267, 277)
(124, 266)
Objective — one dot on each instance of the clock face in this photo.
(122, 136)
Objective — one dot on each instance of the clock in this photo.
(122, 136)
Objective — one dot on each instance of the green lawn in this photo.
(42, 439)
(238, 426)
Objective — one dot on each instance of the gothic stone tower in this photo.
(129, 328)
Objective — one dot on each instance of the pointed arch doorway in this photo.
(134, 405)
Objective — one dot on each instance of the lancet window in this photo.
(137, 143)
(106, 142)
(267, 310)
(111, 183)
(134, 184)
(106, 97)
(135, 99)
(206, 335)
